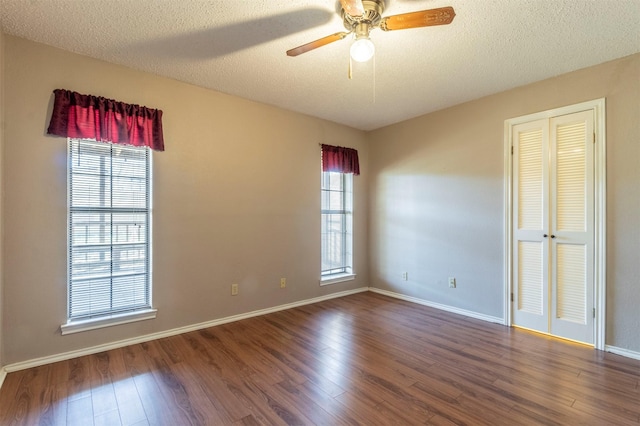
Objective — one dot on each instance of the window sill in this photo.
(95, 323)
(334, 279)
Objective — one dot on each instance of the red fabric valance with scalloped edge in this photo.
(90, 117)
(340, 159)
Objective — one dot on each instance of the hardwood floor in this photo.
(363, 359)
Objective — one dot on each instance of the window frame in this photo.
(137, 312)
(346, 271)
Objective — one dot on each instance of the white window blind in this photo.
(336, 232)
(109, 229)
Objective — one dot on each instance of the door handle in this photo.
(553, 236)
(545, 236)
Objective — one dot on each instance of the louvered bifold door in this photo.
(572, 226)
(530, 220)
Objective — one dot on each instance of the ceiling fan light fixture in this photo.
(362, 49)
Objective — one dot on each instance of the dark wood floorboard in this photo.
(364, 359)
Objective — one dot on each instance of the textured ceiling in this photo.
(238, 47)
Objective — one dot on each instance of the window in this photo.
(337, 227)
(109, 195)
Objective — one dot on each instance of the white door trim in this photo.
(598, 108)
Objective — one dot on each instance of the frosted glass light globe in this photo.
(362, 50)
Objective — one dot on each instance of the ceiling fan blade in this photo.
(353, 7)
(423, 18)
(317, 43)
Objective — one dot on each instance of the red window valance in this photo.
(105, 120)
(340, 159)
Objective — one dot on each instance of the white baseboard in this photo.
(173, 332)
(623, 352)
(3, 374)
(613, 349)
(442, 307)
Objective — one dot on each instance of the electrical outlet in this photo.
(283, 282)
(405, 276)
(234, 289)
(452, 282)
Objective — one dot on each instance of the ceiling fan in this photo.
(362, 16)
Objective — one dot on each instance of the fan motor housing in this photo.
(373, 10)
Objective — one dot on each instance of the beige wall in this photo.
(437, 203)
(1, 195)
(236, 199)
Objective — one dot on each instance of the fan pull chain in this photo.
(374, 79)
(350, 68)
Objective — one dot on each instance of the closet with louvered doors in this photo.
(553, 226)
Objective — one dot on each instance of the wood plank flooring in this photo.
(363, 359)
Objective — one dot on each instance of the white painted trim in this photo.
(600, 273)
(600, 244)
(621, 351)
(613, 349)
(3, 375)
(508, 201)
(173, 332)
(114, 345)
(335, 279)
(596, 104)
(92, 324)
(442, 307)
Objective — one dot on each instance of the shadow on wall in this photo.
(430, 224)
(438, 213)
